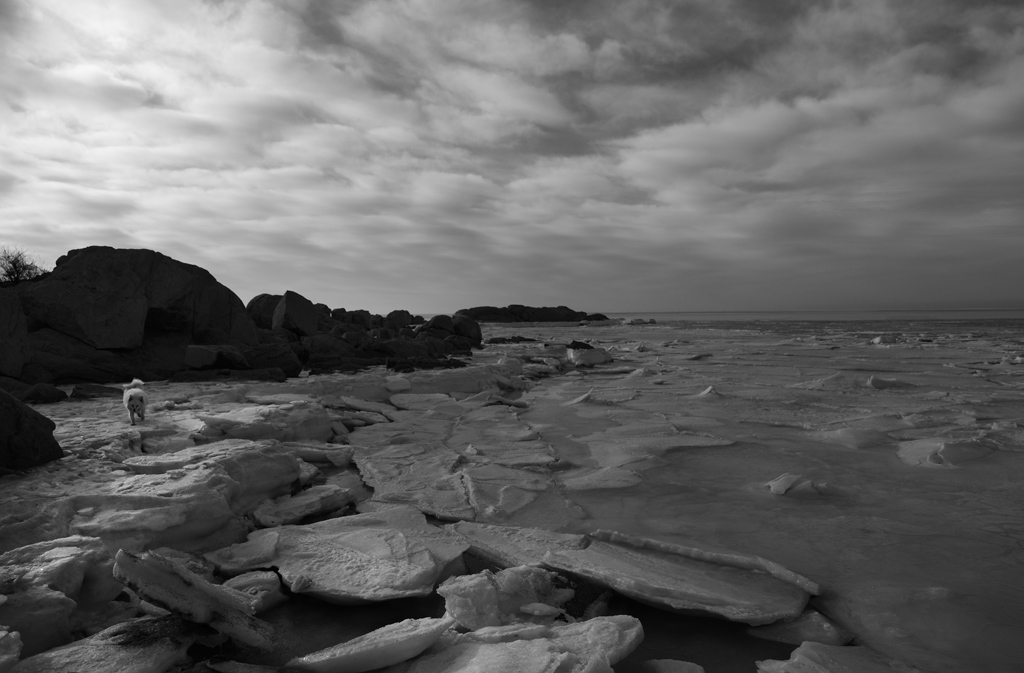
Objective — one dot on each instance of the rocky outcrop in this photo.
(520, 313)
(26, 436)
(261, 309)
(107, 314)
(111, 298)
(13, 334)
(296, 314)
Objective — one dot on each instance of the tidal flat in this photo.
(883, 461)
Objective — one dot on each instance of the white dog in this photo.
(135, 400)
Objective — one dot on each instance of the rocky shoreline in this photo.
(604, 496)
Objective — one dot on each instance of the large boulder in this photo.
(261, 309)
(398, 319)
(114, 298)
(13, 334)
(296, 314)
(270, 355)
(26, 436)
(468, 328)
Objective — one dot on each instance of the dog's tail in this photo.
(136, 383)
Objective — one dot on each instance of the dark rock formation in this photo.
(273, 355)
(13, 334)
(261, 309)
(92, 391)
(296, 314)
(110, 298)
(26, 436)
(520, 313)
(107, 314)
(42, 393)
(469, 329)
(222, 356)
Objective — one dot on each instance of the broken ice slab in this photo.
(46, 585)
(414, 474)
(741, 588)
(942, 453)
(496, 599)
(10, 648)
(813, 657)
(811, 625)
(297, 420)
(288, 509)
(385, 646)
(591, 646)
(683, 584)
(169, 584)
(320, 452)
(508, 546)
(263, 587)
(147, 645)
(393, 553)
(193, 501)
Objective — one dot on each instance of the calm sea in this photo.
(966, 315)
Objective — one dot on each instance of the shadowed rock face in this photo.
(107, 314)
(13, 334)
(26, 436)
(112, 298)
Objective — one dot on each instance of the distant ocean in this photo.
(966, 315)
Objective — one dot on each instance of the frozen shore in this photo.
(882, 462)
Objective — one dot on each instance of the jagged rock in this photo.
(261, 309)
(26, 436)
(591, 646)
(147, 645)
(110, 298)
(296, 314)
(14, 349)
(167, 583)
(378, 556)
(385, 646)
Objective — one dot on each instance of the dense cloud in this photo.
(612, 154)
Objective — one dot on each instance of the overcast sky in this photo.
(609, 155)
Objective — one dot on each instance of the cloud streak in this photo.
(431, 155)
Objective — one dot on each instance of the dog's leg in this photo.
(131, 415)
